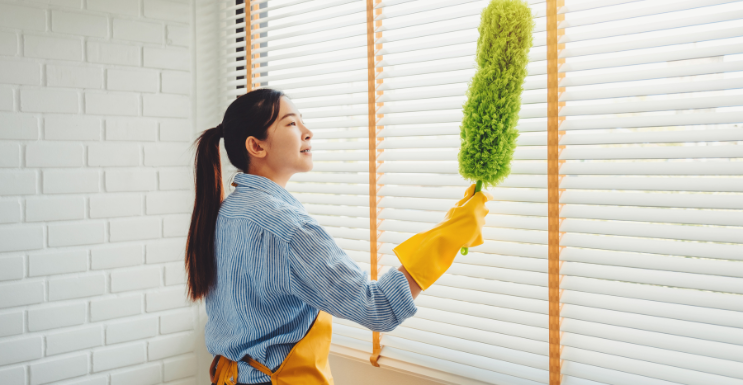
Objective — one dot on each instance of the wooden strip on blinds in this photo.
(248, 45)
(373, 188)
(553, 188)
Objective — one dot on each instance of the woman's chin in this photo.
(308, 165)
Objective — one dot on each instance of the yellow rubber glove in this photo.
(427, 255)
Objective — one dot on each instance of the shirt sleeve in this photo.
(323, 276)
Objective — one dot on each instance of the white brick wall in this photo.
(95, 192)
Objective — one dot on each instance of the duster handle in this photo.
(478, 187)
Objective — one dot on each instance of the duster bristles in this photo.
(488, 130)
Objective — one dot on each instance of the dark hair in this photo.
(249, 115)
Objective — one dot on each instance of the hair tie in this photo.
(220, 130)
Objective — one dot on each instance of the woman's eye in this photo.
(294, 123)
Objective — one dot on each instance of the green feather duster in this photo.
(488, 131)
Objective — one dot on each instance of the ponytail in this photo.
(201, 263)
(249, 115)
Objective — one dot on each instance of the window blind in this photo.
(651, 254)
(648, 118)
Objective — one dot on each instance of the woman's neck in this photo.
(262, 170)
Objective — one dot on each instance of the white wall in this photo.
(95, 124)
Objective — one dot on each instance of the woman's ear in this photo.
(255, 147)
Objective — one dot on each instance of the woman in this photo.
(270, 274)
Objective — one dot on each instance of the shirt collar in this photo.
(266, 185)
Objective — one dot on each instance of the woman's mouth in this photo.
(307, 151)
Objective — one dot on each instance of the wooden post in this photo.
(373, 155)
(553, 186)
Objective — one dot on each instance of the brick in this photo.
(187, 381)
(7, 100)
(116, 7)
(170, 346)
(19, 126)
(14, 376)
(18, 238)
(141, 31)
(20, 72)
(137, 279)
(176, 82)
(59, 369)
(71, 127)
(167, 10)
(176, 322)
(167, 155)
(119, 256)
(166, 299)
(178, 35)
(17, 183)
(169, 202)
(23, 293)
(70, 181)
(74, 77)
(117, 357)
(115, 205)
(55, 317)
(170, 250)
(131, 330)
(139, 130)
(46, 47)
(77, 287)
(130, 80)
(166, 106)
(70, 341)
(117, 307)
(77, 23)
(108, 53)
(134, 229)
(10, 155)
(11, 324)
(111, 104)
(8, 43)
(167, 59)
(20, 350)
(61, 3)
(176, 130)
(25, 18)
(113, 154)
(54, 155)
(72, 234)
(49, 100)
(176, 179)
(57, 263)
(180, 367)
(175, 274)
(39, 209)
(176, 225)
(130, 180)
(11, 268)
(101, 380)
(145, 375)
(10, 211)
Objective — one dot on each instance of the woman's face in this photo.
(288, 143)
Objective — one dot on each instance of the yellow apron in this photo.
(306, 363)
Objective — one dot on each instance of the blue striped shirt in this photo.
(276, 266)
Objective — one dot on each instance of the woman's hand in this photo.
(427, 255)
